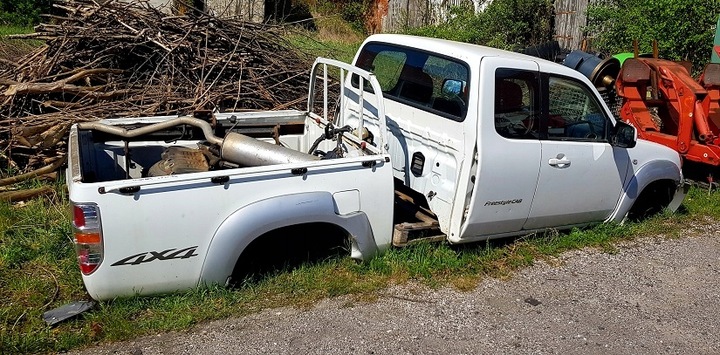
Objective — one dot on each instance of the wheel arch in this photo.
(252, 221)
(654, 172)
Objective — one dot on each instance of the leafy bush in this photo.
(354, 12)
(503, 24)
(684, 29)
(22, 12)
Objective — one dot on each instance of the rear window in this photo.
(426, 81)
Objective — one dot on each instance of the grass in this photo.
(333, 38)
(38, 273)
(13, 30)
(12, 49)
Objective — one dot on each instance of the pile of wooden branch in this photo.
(120, 59)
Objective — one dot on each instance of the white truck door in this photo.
(508, 148)
(581, 174)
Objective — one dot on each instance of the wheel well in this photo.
(652, 200)
(287, 248)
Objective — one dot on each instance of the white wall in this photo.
(249, 10)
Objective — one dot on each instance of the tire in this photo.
(652, 200)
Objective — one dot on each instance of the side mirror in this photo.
(453, 87)
(624, 135)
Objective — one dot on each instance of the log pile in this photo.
(119, 59)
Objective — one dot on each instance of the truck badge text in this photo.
(149, 256)
(503, 202)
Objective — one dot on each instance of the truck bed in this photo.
(201, 213)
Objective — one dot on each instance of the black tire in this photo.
(652, 200)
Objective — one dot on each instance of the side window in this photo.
(574, 113)
(516, 104)
(419, 79)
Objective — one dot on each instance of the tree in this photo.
(506, 24)
(684, 29)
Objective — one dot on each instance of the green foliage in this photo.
(353, 12)
(684, 29)
(23, 12)
(503, 24)
(334, 49)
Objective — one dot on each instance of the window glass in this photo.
(386, 66)
(516, 109)
(574, 113)
(422, 80)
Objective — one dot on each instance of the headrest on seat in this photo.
(508, 97)
(417, 86)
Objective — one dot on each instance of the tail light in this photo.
(88, 237)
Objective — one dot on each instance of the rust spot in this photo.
(378, 10)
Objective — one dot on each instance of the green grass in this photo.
(38, 273)
(333, 38)
(13, 30)
(342, 50)
(12, 49)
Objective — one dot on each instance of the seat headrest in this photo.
(508, 96)
(417, 86)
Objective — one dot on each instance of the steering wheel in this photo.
(591, 129)
(515, 129)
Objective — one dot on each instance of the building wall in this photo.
(396, 15)
(165, 5)
(248, 10)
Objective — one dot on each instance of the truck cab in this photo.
(502, 143)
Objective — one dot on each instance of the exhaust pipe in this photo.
(235, 147)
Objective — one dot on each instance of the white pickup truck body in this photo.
(488, 143)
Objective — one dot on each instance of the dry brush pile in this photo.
(128, 59)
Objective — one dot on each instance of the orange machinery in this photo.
(667, 106)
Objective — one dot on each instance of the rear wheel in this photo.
(289, 247)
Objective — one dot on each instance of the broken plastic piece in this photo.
(67, 311)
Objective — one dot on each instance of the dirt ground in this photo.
(12, 50)
(652, 296)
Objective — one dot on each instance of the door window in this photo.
(516, 109)
(574, 113)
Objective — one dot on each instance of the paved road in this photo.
(653, 296)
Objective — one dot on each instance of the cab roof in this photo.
(471, 53)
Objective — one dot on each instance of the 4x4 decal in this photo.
(149, 256)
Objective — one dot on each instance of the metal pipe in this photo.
(235, 147)
(705, 135)
(122, 132)
(241, 149)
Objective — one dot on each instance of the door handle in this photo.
(560, 161)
